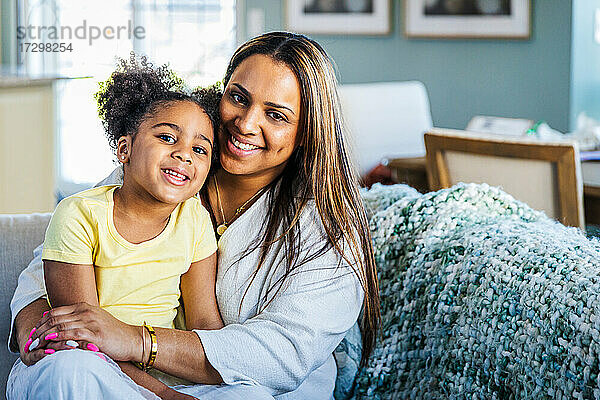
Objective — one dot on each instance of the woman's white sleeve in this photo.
(294, 335)
(30, 287)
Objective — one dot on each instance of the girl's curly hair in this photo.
(135, 91)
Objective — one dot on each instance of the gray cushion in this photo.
(19, 235)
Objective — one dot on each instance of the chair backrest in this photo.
(385, 119)
(546, 176)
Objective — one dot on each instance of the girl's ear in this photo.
(124, 149)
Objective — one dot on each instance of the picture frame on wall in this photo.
(480, 19)
(338, 17)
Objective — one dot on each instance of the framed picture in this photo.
(507, 19)
(343, 17)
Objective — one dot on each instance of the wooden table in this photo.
(413, 172)
(591, 204)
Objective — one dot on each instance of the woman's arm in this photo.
(25, 320)
(180, 353)
(277, 348)
(29, 316)
(198, 294)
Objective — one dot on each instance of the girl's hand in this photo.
(93, 328)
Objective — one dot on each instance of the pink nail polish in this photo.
(49, 351)
(32, 332)
(26, 347)
(51, 336)
(92, 347)
(44, 314)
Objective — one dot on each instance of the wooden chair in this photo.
(546, 176)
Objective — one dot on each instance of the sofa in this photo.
(481, 298)
(19, 235)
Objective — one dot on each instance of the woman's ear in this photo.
(124, 149)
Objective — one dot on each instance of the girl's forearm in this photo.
(181, 354)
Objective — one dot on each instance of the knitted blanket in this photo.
(482, 298)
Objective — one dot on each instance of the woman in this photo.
(295, 257)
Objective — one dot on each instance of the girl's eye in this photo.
(199, 150)
(167, 138)
(237, 97)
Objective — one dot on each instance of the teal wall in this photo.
(585, 64)
(528, 79)
(8, 21)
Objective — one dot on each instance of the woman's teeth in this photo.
(243, 146)
(175, 174)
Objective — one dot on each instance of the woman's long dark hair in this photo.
(319, 169)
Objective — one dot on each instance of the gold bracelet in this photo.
(141, 364)
(153, 348)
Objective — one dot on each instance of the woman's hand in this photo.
(35, 355)
(25, 321)
(92, 327)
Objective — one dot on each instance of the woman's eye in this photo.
(167, 138)
(276, 116)
(199, 150)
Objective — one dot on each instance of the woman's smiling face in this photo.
(260, 113)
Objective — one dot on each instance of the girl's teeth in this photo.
(175, 174)
(243, 146)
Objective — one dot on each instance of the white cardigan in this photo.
(288, 346)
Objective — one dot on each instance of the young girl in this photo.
(131, 248)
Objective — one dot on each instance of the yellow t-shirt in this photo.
(135, 282)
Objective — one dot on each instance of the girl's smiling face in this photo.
(260, 113)
(168, 159)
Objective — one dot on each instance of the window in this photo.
(195, 37)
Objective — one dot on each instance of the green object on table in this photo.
(534, 128)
